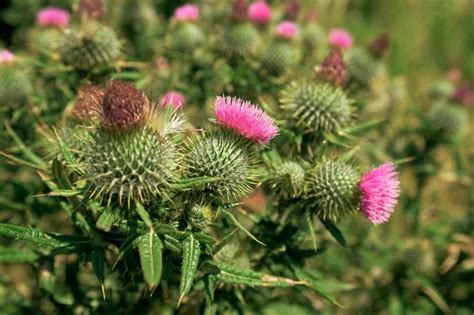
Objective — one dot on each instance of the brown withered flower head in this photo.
(87, 106)
(93, 9)
(292, 10)
(379, 46)
(463, 95)
(332, 69)
(239, 10)
(124, 106)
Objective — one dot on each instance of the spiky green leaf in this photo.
(236, 222)
(191, 255)
(150, 249)
(335, 232)
(15, 255)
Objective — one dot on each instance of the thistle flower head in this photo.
(259, 12)
(52, 16)
(123, 107)
(88, 105)
(289, 179)
(287, 30)
(93, 9)
(446, 123)
(239, 40)
(361, 67)
(239, 10)
(379, 46)
(379, 189)
(340, 38)
(292, 10)
(187, 13)
(173, 98)
(333, 68)
(186, 37)
(332, 190)
(6, 57)
(245, 119)
(279, 56)
(463, 95)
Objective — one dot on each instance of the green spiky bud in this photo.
(15, 87)
(222, 154)
(186, 37)
(201, 216)
(441, 90)
(446, 122)
(123, 167)
(239, 40)
(91, 46)
(45, 40)
(332, 190)
(316, 107)
(288, 179)
(278, 56)
(312, 36)
(361, 68)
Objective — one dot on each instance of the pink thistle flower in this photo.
(259, 12)
(6, 57)
(463, 95)
(52, 16)
(287, 29)
(187, 13)
(173, 98)
(340, 38)
(245, 119)
(380, 189)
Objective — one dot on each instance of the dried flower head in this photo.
(463, 95)
(187, 13)
(340, 38)
(259, 12)
(173, 98)
(123, 106)
(52, 16)
(93, 9)
(245, 119)
(287, 30)
(333, 68)
(88, 103)
(379, 46)
(380, 189)
(239, 10)
(292, 10)
(6, 57)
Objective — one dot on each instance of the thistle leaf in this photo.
(236, 275)
(39, 238)
(236, 222)
(144, 215)
(15, 255)
(98, 263)
(107, 219)
(64, 193)
(66, 153)
(313, 284)
(191, 255)
(335, 232)
(312, 232)
(150, 249)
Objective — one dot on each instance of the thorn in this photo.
(103, 291)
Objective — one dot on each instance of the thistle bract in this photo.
(15, 86)
(288, 179)
(446, 122)
(361, 68)
(239, 40)
(316, 107)
(187, 37)
(332, 190)
(278, 56)
(225, 155)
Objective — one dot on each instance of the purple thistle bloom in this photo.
(187, 13)
(6, 57)
(173, 98)
(52, 16)
(245, 119)
(287, 29)
(380, 189)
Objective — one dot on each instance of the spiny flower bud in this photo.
(186, 37)
(93, 9)
(316, 107)
(288, 179)
(225, 155)
(239, 40)
(379, 46)
(446, 123)
(361, 68)
(278, 56)
(126, 167)
(245, 119)
(201, 216)
(333, 68)
(91, 47)
(15, 86)
(123, 107)
(380, 189)
(332, 190)
(312, 37)
(88, 105)
(45, 40)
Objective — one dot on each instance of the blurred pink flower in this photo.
(380, 189)
(173, 98)
(245, 119)
(52, 16)
(287, 29)
(340, 38)
(259, 12)
(6, 57)
(463, 94)
(187, 13)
